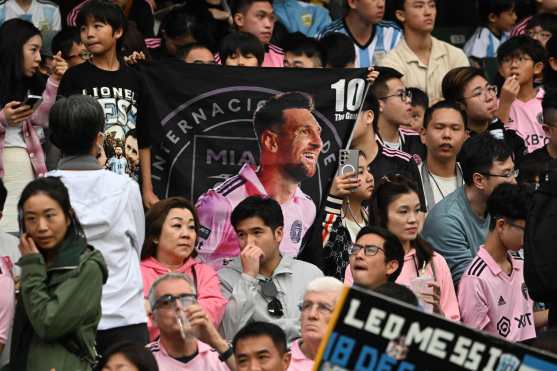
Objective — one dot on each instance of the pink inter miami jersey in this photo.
(493, 301)
(217, 238)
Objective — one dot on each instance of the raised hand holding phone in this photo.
(15, 112)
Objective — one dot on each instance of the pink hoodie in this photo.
(208, 290)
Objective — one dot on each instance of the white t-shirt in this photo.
(442, 187)
(14, 137)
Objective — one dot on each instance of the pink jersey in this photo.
(217, 238)
(206, 359)
(299, 362)
(526, 119)
(495, 302)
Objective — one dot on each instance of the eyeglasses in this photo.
(510, 174)
(404, 95)
(486, 91)
(322, 308)
(369, 250)
(269, 290)
(518, 59)
(169, 301)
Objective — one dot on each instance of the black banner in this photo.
(206, 114)
(372, 332)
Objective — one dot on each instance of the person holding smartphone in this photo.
(22, 120)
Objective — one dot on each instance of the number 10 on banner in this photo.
(349, 95)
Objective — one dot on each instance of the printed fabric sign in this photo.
(372, 332)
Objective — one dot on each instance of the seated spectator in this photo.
(303, 52)
(545, 154)
(65, 304)
(68, 43)
(171, 228)
(520, 59)
(376, 257)
(300, 16)
(45, 15)
(489, 296)
(258, 18)
(241, 49)
(339, 50)
(261, 345)
(469, 86)
(128, 356)
(188, 339)
(422, 59)
(539, 7)
(110, 209)
(22, 157)
(398, 292)
(317, 307)
(196, 53)
(261, 284)
(443, 134)
(497, 18)
(457, 225)
(542, 27)
(420, 104)
(345, 214)
(371, 36)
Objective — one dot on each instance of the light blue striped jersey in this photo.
(484, 43)
(44, 14)
(385, 37)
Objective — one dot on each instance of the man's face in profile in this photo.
(299, 143)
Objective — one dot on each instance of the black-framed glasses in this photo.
(169, 301)
(369, 250)
(486, 91)
(519, 227)
(269, 290)
(404, 95)
(510, 174)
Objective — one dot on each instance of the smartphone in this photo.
(348, 161)
(33, 101)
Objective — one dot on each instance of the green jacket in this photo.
(58, 310)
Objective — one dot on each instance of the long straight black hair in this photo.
(13, 82)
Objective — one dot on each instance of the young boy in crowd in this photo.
(339, 50)
(68, 42)
(419, 104)
(497, 19)
(241, 49)
(196, 53)
(541, 27)
(303, 52)
(492, 295)
(258, 18)
(118, 88)
(520, 59)
(372, 37)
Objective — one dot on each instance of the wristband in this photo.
(226, 354)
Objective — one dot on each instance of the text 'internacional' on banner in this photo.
(369, 331)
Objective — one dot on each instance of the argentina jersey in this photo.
(484, 44)
(386, 35)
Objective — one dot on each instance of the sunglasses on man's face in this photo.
(269, 290)
(169, 301)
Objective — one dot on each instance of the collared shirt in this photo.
(217, 238)
(427, 77)
(526, 119)
(483, 43)
(207, 359)
(299, 361)
(44, 14)
(494, 301)
(385, 36)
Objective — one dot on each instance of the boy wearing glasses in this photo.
(261, 284)
(493, 296)
(188, 339)
(520, 59)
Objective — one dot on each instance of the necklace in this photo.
(432, 177)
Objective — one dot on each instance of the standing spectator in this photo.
(188, 339)
(109, 207)
(260, 284)
(443, 134)
(317, 308)
(21, 125)
(257, 17)
(422, 59)
(61, 282)
(102, 25)
(170, 239)
(457, 225)
(542, 6)
(261, 345)
(520, 59)
(372, 37)
(44, 14)
(497, 18)
(469, 86)
(493, 296)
